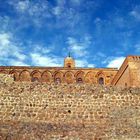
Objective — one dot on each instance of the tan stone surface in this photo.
(64, 75)
(127, 76)
(129, 73)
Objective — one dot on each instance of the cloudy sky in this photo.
(98, 33)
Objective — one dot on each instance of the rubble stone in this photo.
(68, 112)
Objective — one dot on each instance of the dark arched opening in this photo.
(69, 65)
(79, 80)
(35, 79)
(101, 81)
(14, 77)
(57, 80)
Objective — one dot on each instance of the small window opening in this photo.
(35, 79)
(101, 81)
(57, 80)
(14, 78)
(69, 65)
(79, 80)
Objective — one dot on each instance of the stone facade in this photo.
(128, 75)
(43, 111)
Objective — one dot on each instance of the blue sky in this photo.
(98, 33)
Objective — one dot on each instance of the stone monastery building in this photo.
(128, 74)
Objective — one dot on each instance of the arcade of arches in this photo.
(31, 74)
(67, 74)
(70, 74)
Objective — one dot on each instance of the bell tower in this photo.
(69, 62)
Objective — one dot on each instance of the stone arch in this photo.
(89, 78)
(46, 77)
(79, 77)
(100, 77)
(15, 75)
(69, 77)
(25, 76)
(100, 72)
(58, 77)
(35, 76)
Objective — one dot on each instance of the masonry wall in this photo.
(61, 74)
(74, 111)
(129, 73)
(134, 65)
(124, 80)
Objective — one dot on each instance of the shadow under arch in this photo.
(35, 76)
(80, 76)
(58, 77)
(15, 74)
(100, 77)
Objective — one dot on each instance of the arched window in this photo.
(69, 65)
(79, 80)
(101, 81)
(35, 79)
(57, 80)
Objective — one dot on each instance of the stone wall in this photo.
(129, 73)
(68, 112)
(134, 65)
(60, 74)
(124, 81)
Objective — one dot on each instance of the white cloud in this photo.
(4, 39)
(41, 49)
(116, 62)
(42, 60)
(19, 55)
(83, 63)
(31, 12)
(79, 49)
(10, 49)
(17, 63)
(31, 8)
(57, 10)
(22, 6)
(38, 13)
(91, 65)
